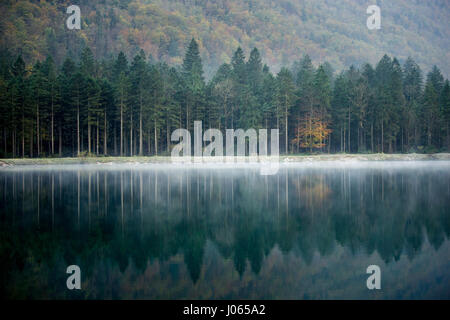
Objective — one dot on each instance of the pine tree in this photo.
(445, 102)
(38, 92)
(51, 97)
(157, 100)
(285, 100)
(194, 84)
(70, 86)
(106, 105)
(171, 107)
(412, 90)
(138, 98)
(254, 73)
(340, 102)
(397, 106)
(322, 93)
(222, 92)
(268, 109)
(121, 91)
(383, 74)
(240, 87)
(94, 112)
(305, 84)
(250, 116)
(430, 109)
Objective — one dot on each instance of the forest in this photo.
(282, 30)
(91, 107)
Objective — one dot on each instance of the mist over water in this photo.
(225, 231)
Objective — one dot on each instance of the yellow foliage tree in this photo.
(312, 132)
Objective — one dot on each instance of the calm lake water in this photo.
(171, 232)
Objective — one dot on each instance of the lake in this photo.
(167, 231)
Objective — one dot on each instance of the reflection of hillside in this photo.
(301, 212)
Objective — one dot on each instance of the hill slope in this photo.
(328, 30)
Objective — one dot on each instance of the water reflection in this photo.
(168, 232)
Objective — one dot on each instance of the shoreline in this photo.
(283, 158)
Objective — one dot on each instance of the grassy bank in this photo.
(284, 158)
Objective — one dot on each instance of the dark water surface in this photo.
(166, 231)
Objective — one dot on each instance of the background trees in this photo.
(113, 107)
(162, 28)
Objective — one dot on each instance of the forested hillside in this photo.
(137, 70)
(284, 30)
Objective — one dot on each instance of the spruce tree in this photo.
(285, 101)
(193, 92)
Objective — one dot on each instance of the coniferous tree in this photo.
(120, 86)
(369, 76)
(193, 92)
(445, 102)
(430, 109)
(222, 92)
(397, 106)
(305, 84)
(268, 97)
(285, 101)
(240, 87)
(322, 93)
(106, 104)
(383, 74)
(138, 98)
(340, 102)
(157, 100)
(412, 90)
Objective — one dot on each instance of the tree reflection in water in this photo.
(138, 232)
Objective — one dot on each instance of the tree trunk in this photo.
(357, 140)
(371, 136)
(140, 128)
(37, 131)
(13, 138)
(78, 130)
(5, 143)
(402, 138)
(429, 134)
(168, 135)
(345, 137)
(52, 124)
(131, 135)
(105, 142)
(286, 133)
(31, 143)
(349, 131)
(97, 142)
(149, 137)
(60, 140)
(115, 139)
(121, 129)
(448, 135)
(23, 135)
(156, 141)
(89, 137)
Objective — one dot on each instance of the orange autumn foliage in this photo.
(311, 132)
